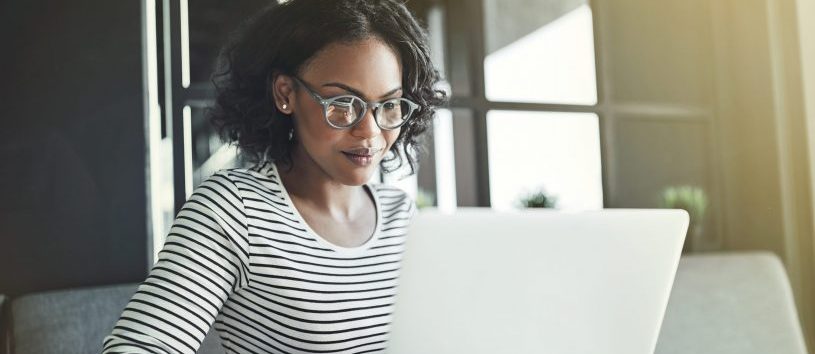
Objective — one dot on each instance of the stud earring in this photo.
(285, 106)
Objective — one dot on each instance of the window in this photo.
(182, 39)
(524, 102)
(545, 58)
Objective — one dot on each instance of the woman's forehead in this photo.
(369, 65)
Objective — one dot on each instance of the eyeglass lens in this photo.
(345, 111)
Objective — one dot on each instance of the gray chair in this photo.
(731, 303)
(74, 321)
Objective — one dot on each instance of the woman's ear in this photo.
(283, 92)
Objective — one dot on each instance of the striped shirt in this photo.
(240, 258)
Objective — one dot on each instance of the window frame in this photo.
(464, 54)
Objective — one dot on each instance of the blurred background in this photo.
(706, 105)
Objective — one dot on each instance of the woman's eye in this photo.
(389, 105)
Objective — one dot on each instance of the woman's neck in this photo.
(307, 183)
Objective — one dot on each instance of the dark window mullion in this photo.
(486, 105)
(478, 53)
(605, 124)
(159, 13)
(174, 97)
(465, 21)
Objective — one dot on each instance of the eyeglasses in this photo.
(345, 111)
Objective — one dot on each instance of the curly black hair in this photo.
(282, 38)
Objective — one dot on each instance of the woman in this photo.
(297, 254)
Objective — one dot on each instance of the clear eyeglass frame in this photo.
(375, 105)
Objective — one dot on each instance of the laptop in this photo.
(536, 281)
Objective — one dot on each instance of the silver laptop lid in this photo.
(536, 281)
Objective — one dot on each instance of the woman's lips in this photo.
(363, 151)
(363, 155)
(359, 160)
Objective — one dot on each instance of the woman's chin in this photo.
(359, 172)
(359, 177)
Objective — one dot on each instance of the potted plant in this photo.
(424, 199)
(538, 199)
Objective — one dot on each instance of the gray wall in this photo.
(72, 175)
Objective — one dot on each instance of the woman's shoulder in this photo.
(259, 173)
(388, 189)
(245, 182)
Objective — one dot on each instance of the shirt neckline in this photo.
(322, 241)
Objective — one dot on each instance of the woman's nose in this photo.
(367, 126)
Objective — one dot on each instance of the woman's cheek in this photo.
(391, 137)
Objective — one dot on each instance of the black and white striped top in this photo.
(241, 258)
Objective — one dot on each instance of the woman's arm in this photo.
(203, 261)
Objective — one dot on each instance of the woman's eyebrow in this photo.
(356, 92)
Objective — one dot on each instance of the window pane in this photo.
(445, 160)
(208, 153)
(540, 52)
(551, 151)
